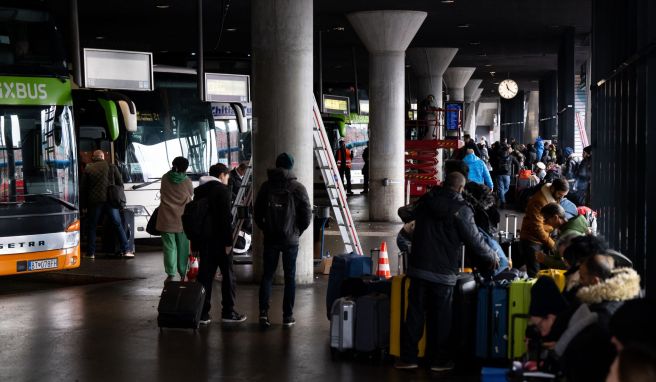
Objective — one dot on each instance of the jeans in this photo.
(270, 256)
(115, 220)
(504, 184)
(428, 303)
(213, 256)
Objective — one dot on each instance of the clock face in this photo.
(508, 89)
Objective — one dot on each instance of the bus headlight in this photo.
(72, 235)
(138, 210)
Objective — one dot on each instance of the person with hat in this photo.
(578, 347)
(283, 212)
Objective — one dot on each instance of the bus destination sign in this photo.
(230, 88)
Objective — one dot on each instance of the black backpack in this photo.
(197, 219)
(281, 212)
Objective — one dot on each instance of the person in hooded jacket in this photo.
(216, 252)
(539, 148)
(175, 192)
(281, 180)
(443, 222)
(478, 171)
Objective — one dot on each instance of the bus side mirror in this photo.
(111, 117)
(240, 115)
(129, 112)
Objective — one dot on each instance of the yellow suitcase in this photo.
(398, 304)
(558, 275)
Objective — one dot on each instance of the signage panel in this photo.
(117, 69)
(453, 118)
(336, 104)
(227, 88)
(364, 107)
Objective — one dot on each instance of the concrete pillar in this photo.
(429, 65)
(549, 105)
(456, 79)
(282, 105)
(386, 34)
(469, 125)
(532, 116)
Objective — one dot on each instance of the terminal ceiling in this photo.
(512, 38)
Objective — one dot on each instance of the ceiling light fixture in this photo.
(163, 51)
(100, 37)
(493, 73)
(488, 65)
(448, 1)
(339, 29)
(228, 51)
(482, 55)
(474, 43)
(193, 53)
(463, 26)
(231, 30)
(162, 6)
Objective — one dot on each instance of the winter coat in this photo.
(584, 351)
(279, 177)
(504, 164)
(531, 155)
(578, 224)
(533, 227)
(174, 196)
(478, 171)
(539, 148)
(95, 181)
(444, 222)
(220, 201)
(607, 296)
(234, 183)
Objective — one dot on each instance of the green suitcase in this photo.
(518, 304)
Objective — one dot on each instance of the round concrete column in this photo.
(386, 34)
(282, 106)
(470, 105)
(456, 79)
(429, 65)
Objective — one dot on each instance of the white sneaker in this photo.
(128, 254)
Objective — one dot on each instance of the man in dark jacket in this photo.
(282, 211)
(216, 252)
(95, 180)
(444, 222)
(503, 169)
(236, 176)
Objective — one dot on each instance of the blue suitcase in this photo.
(343, 267)
(492, 322)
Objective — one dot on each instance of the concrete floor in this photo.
(98, 323)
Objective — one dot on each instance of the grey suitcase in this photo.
(342, 325)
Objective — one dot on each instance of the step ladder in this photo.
(244, 199)
(329, 171)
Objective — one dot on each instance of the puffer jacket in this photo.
(95, 181)
(279, 177)
(606, 297)
(533, 227)
(444, 222)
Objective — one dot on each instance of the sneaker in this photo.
(445, 366)
(264, 320)
(128, 254)
(233, 317)
(405, 365)
(288, 321)
(205, 319)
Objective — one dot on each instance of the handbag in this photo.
(115, 193)
(151, 227)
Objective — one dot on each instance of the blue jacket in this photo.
(478, 172)
(539, 148)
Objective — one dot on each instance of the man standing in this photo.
(478, 171)
(502, 170)
(216, 252)
(282, 211)
(535, 234)
(344, 158)
(444, 221)
(236, 177)
(96, 178)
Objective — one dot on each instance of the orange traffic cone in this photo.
(383, 262)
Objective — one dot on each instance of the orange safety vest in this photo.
(348, 157)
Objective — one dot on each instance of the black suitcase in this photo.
(359, 286)
(110, 242)
(464, 316)
(372, 323)
(181, 305)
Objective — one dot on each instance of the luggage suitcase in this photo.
(344, 266)
(181, 305)
(342, 325)
(464, 316)
(492, 322)
(398, 309)
(110, 242)
(519, 295)
(558, 275)
(372, 323)
(509, 239)
(360, 286)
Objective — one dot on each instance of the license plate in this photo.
(37, 265)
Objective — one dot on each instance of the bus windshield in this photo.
(38, 157)
(171, 122)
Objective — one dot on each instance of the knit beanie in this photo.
(285, 161)
(546, 298)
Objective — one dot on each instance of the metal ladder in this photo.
(244, 199)
(333, 182)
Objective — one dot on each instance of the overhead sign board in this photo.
(453, 118)
(336, 104)
(117, 69)
(227, 88)
(364, 107)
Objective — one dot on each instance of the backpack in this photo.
(281, 212)
(196, 219)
